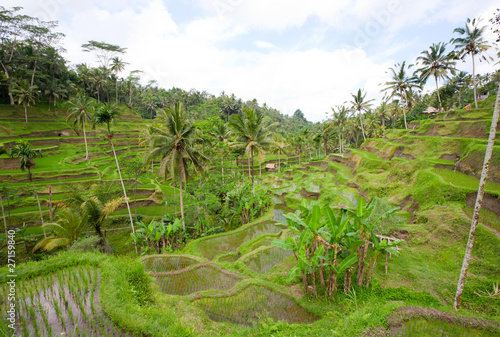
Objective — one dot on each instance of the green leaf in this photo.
(283, 245)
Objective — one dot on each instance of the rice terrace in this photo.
(129, 209)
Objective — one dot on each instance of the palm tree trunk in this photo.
(182, 202)
(85, 138)
(116, 87)
(439, 96)
(362, 128)
(124, 191)
(253, 187)
(26, 112)
(41, 215)
(479, 201)
(474, 80)
(50, 202)
(3, 215)
(11, 98)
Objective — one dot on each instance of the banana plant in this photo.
(379, 247)
(362, 219)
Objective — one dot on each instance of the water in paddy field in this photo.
(65, 303)
(253, 304)
(167, 263)
(232, 241)
(198, 278)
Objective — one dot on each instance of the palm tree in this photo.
(400, 83)
(461, 81)
(93, 204)
(253, 134)
(436, 62)
(359, 104)
(23, 151)
(339, 120)
(221, 134)
(279, 147)
(472, 42)
(106, 114)
(173, 144)
(117, 66)
(66, 229)
(81, 109)
(25, 94)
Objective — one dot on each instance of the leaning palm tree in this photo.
(107, 114)
(81, 108)
(400, 83)
(479, 201)
(437, 63)
(360, 104)
(472, 42)
(173, 144)
(66, 230)
(253, 133)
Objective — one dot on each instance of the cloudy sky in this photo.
(291, 54)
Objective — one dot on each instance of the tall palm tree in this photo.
(117, 66)
(279, 147)
(221, 134)
(81, 108)
(471, 42)
(360, 104)
(106, 114)
(173, 143)
(461, 81)
(437, 63)
(25, 94)
(400, 83)
(339, 120)
(253, 133)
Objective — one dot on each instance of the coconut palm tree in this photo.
(81, 108)
(279, 147)
(400, 83)
(66, 230)
(117, 66)
(173, 144)
(471, 42)
(107, 114)
(437, 63)
(253, 133)
(360, 104)
(25, 94)
(461, 81)
(339, 120)
(221, 134)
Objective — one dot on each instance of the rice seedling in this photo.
(253, 304)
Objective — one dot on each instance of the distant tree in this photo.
(299, 115)
(103, 51)
(400, 84)
(81, 109)
(25, 94)
(360, 104)
(473, 42)
(117, 66)
(437, 63)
